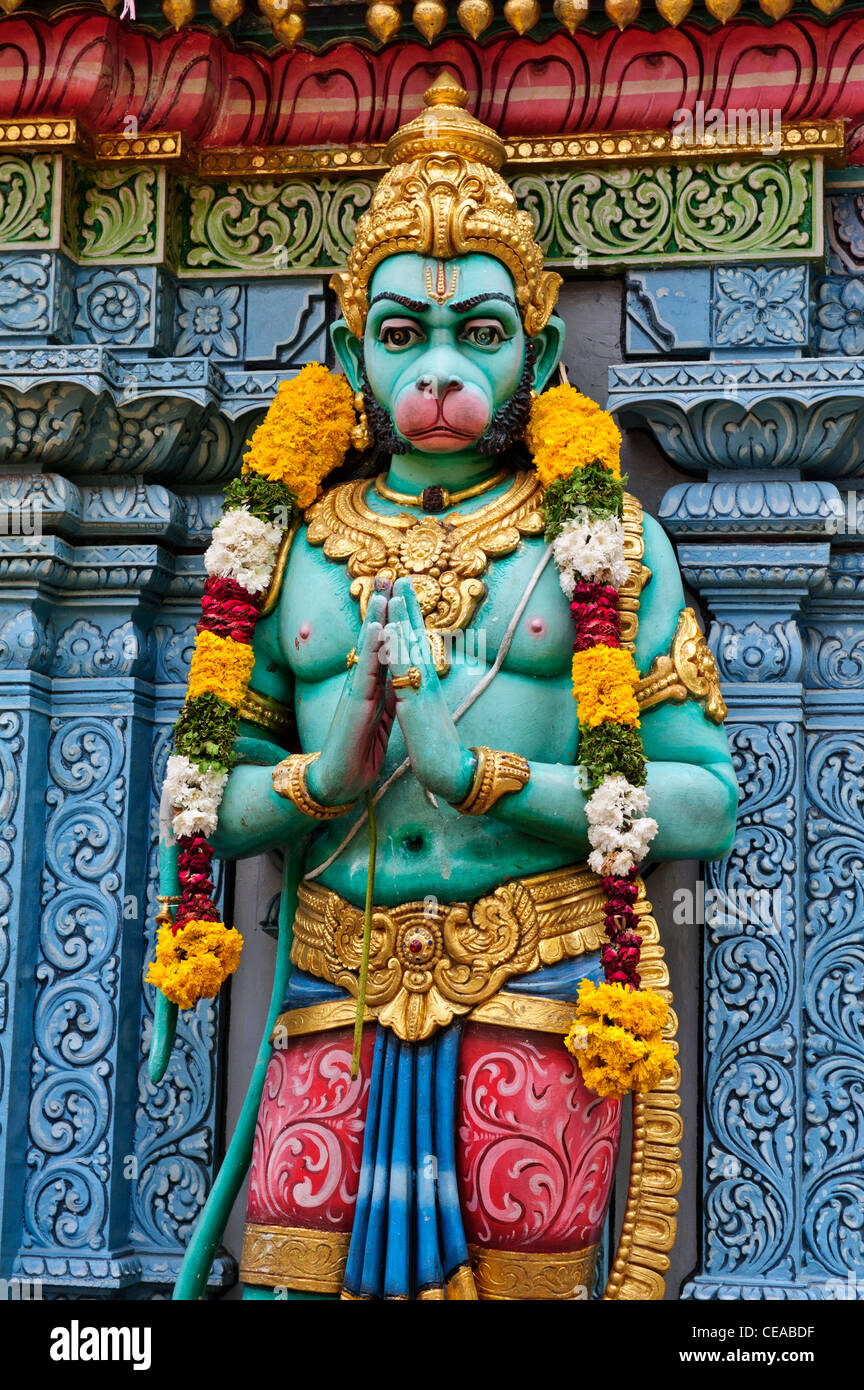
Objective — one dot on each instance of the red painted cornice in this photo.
(92, 66)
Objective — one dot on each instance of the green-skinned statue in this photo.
(421, 641)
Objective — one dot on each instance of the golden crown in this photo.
(443, 196)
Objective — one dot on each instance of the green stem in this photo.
(201, 1250)
(367, 936)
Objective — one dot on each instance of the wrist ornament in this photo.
(289, 780)
(496, 774)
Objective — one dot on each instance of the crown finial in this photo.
(445, 91)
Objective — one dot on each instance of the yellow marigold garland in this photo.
(191, 964)
(617, 1039)
(567, 431)
(222, 666)
(604, 683)
(617, 1035)
(305, 433)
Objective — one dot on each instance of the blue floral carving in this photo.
(207, 320)
(840, 315)
(758, 306)
(114, 306)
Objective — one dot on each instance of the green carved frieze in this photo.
(30, 200)
(607, 216)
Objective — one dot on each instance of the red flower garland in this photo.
(598, 622)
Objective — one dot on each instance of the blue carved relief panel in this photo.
(126, 398)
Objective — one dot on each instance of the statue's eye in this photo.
(483, 333)
(398, 334)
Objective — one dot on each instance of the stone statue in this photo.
(467, 1158)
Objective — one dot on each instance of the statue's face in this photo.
(444, 347)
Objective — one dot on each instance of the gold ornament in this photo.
(570, 13)
(226, 11)
(290, 30)
(444, 559)
(723, 9)
(384, 19)
(522, 15)
(446, 497)
(827, 6)
(432, 961)
(475, 16)
(495, 775)
(776, 9)
(361, 437)
(430, 17)
(289, 780)
(443, 196)
(622, 12)
(673, 11)
(110, 5)
(687, 671)
(412, 680)
(10, 6)
(275, 10)
(178, 12)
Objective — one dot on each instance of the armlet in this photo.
(273, 591)
(630, 594)
(272, 716)
(687, 671)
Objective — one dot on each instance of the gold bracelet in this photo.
(289, 780)
(496, 774)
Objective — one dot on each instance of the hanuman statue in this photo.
(386, 687)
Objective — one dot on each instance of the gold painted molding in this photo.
(527, 1275)
(825, 138)
(648, 1228)
(294, 1257)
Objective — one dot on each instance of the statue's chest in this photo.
(319, 616)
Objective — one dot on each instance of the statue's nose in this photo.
(438, 384)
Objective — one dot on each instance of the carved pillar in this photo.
(770, 434)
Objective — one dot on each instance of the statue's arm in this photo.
(691, 780)
(252, 817)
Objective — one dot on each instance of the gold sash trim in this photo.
(687, 671)
(430, 962)
(520, 1275)
(505, 1010)
(271, 715)
(293, 1257)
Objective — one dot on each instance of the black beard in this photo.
(504, 432)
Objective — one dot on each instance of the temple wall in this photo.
(147, 316)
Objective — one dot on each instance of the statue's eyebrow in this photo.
(418, 306)
(460, 306)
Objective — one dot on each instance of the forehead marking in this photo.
(439, 290)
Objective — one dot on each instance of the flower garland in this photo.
(304, 436)
(616, 1036)
(617, 1033)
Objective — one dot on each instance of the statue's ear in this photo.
(349, 351)
(548, 347)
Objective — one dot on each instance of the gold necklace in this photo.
(435, 498)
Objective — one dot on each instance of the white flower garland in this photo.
(243, 547)
(590, 547)
(618, 828)
(195, 794)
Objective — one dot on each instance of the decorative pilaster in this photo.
(770, 435)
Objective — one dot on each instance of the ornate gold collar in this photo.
(444, 558)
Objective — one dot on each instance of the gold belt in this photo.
(431, 961)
